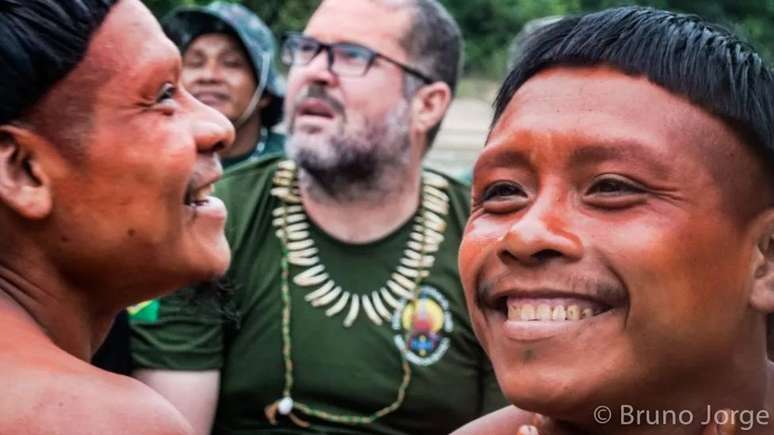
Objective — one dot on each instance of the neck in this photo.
(247, 136)
(367, 212)
(62, 314)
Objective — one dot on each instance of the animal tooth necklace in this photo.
(299, 249)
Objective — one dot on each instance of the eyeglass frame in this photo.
(328, 48)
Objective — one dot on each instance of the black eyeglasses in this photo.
(344, 58)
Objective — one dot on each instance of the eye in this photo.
(167, 92)
(233, 62)
(351, 53)
(503, 197)
(615, 192)
(613, 186)
(502, 190)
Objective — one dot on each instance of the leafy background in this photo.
(489, 25)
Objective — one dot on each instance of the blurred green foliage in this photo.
(489, 25)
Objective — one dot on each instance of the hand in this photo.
(542, 425)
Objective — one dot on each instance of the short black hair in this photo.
(41, 41)
(683, 53)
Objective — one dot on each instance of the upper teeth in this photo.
(545, 312)
(202, 193)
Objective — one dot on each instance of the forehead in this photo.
(601, 105)
(377, 24)
(216, 42)
(128, 46)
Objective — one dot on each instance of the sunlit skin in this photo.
(603, 187)
(84, 236)
(217, 71)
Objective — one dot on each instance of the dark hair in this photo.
(41, 41)
(682, 53)
(434, 45)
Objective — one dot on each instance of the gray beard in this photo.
(368, 164)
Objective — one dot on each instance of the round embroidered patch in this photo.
(423, 327)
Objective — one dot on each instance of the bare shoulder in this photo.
(65, 399)
(503, 421)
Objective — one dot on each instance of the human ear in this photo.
(762, 295)
(429, 105)
(24, 187)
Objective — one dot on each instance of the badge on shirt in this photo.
(423, 327)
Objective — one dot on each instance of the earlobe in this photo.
(24, 186)
(762, 295)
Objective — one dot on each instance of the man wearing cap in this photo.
(228, 64)
(351, 316)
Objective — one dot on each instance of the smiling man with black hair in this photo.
(106, 165)
(620, 249)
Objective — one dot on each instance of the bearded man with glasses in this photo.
(351, 317)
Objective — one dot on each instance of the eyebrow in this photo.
(626, 150)
(584, 155)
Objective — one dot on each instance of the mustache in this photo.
(318, 92)
(609, 291)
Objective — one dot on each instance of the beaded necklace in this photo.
(298, 249)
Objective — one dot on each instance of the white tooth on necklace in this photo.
(434, 205)
(527, 312)
(435, 180)
(282, 181)
(301, 244)
(426, 263)
(302, 261)
(380, 306)
(405, 282)
(291, 219)
(436, 192)
(328, 286)
(544, 312)
(280, 211)
(313, 275)
(328, 298)
(369, 309)
(412, 273)
(587, 312)
(573, 312)
(289, 165)
(354, 308)
(412, 254)
(559, 313)
(293, 235)
(422, 247)
(298, 227)
(338, 306)
(391, 301)
(303, 252)
(399, 290)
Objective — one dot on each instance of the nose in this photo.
(212, 131)
(542, 234)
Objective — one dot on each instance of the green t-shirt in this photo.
(350, 371)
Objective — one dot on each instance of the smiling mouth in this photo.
(550, 310)
(198, 197)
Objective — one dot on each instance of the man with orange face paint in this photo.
(618, 263)
(106, 165)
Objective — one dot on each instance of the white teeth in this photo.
(559, 313)
(545, 312)
(527, 312)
